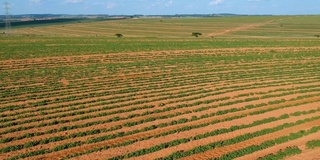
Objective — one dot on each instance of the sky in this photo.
(162, 7)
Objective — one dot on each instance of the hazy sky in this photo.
(153, 7)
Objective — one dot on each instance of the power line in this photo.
(8, 19)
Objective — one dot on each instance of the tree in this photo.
(196, 34)
(317, 35)
(119, 35)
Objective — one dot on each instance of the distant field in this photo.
(248, 88)
(273, 26)
(159, 34)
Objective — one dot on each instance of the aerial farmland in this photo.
(245, 87)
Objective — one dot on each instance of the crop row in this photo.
(202, 71)
(200, 136)
(114, 119)
(120, 134)
(191, 127)
(221, 112)
(313, 144)
(217, 70)
(241, 138)
(135, 107)
(121, 101)
(270, 143)
(53, 90)
(289, 151)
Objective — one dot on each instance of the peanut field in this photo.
(247, 88)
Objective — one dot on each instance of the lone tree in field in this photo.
(119, 35)
(196, 34)
(317, 35)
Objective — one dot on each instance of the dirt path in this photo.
(241, 28)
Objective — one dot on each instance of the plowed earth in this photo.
(121, 105)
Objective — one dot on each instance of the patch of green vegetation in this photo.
(35, 47)
(313, 144)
